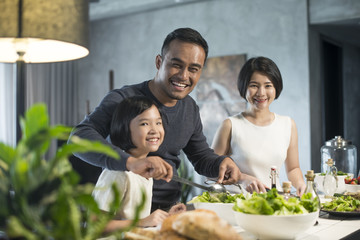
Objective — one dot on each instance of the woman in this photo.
(258, 139)
(138, 132)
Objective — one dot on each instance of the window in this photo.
(7, 104)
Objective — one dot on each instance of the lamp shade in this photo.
(43, 30)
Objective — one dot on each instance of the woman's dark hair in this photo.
(186, 35)
(126, 111)
(263, 66)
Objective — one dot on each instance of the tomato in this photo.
(358, 179)
(353, 183)
(347, 180)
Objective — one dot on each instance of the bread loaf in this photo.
(203, 225)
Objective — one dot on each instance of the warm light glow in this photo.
(39, 50)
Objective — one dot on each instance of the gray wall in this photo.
(276, 29)
(351, 90)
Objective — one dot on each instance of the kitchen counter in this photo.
(327, 228)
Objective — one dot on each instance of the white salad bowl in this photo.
(223, 210)
(276, 226)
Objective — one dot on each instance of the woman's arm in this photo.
(293, 170)
(222, 138)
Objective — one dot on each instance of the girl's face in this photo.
(147, 131)
(260, 92)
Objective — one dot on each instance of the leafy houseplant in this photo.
(41, 199)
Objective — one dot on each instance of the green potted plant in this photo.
(41, 198)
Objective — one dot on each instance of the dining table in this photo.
(329, 226)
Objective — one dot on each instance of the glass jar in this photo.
(342, 152)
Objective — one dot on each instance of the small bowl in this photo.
(223, 210)
(341, 182)
(352, 188)
(275, 226)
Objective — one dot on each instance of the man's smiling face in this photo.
(178, 71)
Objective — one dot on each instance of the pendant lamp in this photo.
(41, 31)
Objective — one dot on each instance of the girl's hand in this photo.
(154, 219)
(178, 208)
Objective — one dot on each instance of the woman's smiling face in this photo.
(147, 131)
(260, 92)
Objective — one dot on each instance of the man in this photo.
(179, 67)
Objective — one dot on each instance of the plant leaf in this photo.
(17, 229)
(7, 154)
(78, 145)
(36, 119)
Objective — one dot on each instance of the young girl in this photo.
(257, 138)
(136, 128)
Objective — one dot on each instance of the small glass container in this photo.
(330, 182)
(286, 186)
(273, 175)
(310, 187)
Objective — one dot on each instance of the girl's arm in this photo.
(153, 220)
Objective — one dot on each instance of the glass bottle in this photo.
(286, 186)
(310, 187)
(273, 175)
(330, 182)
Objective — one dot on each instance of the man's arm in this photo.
(96, 127)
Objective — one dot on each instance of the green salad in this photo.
(342, 204)
(272, 203)
(211, 197)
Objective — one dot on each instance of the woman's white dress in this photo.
(255, 149)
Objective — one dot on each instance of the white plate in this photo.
(352, 188)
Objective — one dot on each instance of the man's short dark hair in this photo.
(263, 66)
(126, 111)
(186, 35)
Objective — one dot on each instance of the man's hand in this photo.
(150, 167)
(229, 172)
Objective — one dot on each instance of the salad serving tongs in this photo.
(210, 180)
(216, 187)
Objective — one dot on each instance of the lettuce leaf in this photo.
(272, 203)
(211, 197)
